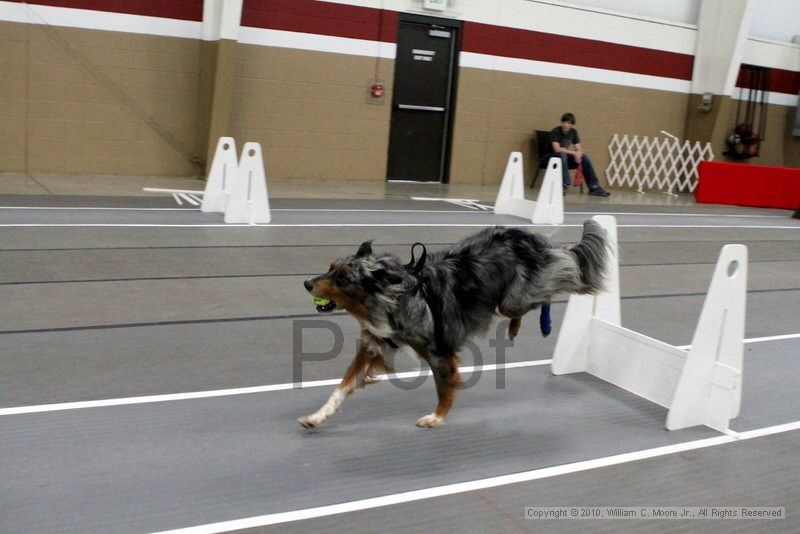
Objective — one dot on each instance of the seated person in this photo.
(567, 146)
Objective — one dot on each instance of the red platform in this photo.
(748, 185)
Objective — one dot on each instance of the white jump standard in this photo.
(701, 386)
(235, 187)
(249, 201)
(223, 171)
(549, 207)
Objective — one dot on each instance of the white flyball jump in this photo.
(548, 208)
(249, 201)
(701, 386)
(237, 188)
(221, 176)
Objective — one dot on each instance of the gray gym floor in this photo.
(124, 298)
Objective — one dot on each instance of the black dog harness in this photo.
(415, 267)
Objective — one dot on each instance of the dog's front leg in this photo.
(368, 358)
(445, 373)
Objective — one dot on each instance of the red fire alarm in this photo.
(376, 91)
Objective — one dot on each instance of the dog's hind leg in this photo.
(513, 327)
(514, 306)
(445, 373)
(515, 314)
(377, 364)
(368, 359)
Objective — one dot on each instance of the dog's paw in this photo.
(311, 421)
(430, 421)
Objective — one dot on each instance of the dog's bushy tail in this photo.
(592, 257)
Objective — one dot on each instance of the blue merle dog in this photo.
(434, 305)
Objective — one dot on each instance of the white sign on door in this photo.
(436, 5)
(423, 55)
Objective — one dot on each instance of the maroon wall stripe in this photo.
(322, 18)
(171, 9)
(340, 20)
(780, 81)
(552, 48)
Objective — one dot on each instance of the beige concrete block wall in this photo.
(78, 101)
(13, 90)
(96, 102)
(497, 112)
(310, 113)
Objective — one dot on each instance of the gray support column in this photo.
(722, 33)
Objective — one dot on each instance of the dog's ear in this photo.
(384, 275)
(365, 249)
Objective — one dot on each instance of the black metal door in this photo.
(422, 100)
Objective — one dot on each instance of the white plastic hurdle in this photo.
(701, 386)
(235, 187)
(249, 201)
(549, 206)
(220, 178)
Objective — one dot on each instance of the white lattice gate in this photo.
(662, 163)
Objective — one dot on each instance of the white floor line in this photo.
(661, 214)
(727, 227)
(92, 208)
(56, 225)
(391, 225)
(19, 410)
(771, 338)
(460, 212)
(474, 485)
(327, 210)
(239, 391)
(756, 340)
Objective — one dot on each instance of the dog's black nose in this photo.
(308, 285)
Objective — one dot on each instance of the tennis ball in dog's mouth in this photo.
(323, 305)
(319, 301)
